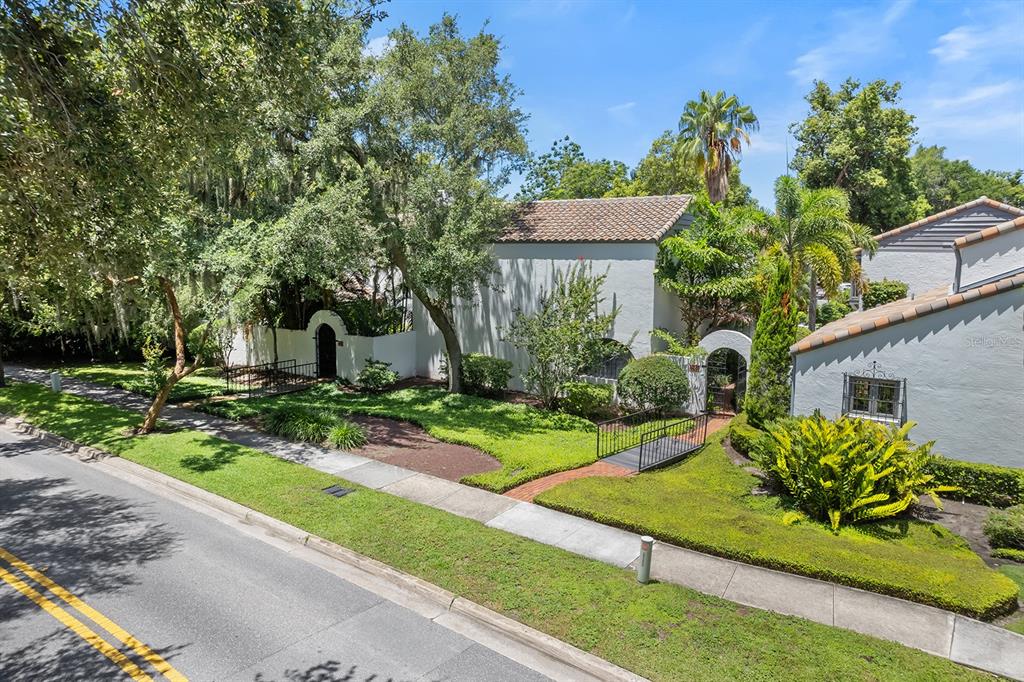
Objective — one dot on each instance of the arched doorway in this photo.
(326, 352)
(725, 374)
(726, 381)
(616, 356)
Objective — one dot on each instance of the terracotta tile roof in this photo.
(989, 232)
(626, 219)
(980, 201)
(903, 310)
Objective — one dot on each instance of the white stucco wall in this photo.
(991, 258)
(965, 376)
(257, 347)
(921, 270)
(527, 269)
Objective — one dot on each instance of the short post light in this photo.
(643, 573)
(55, 381)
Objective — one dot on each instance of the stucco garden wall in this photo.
(991, 258)
(527, 269)
(965, 376)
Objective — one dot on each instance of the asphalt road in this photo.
(87, 560)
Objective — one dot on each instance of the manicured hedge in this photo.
(742, 435)
(986, 484)
(585, 400)
(1010, 554)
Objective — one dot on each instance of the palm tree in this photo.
(712, 133)
(814, 230)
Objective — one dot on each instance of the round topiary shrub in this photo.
(653, 382)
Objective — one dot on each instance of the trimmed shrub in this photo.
(768, 387)
(347, 435)
(376, 376)
(1004, 528)
(300, 423)
(848, 470)
(585, 400)
(484, 374)
(987, 484)
(830, 311)
(886, 291)
(743, 436)
(653, 382)
(1011, 554)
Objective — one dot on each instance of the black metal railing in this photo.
(672, 441)
(270, 377)
(876, 396)
(625, 432)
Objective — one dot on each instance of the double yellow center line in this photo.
(80, 628)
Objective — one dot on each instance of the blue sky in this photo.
(614, 75)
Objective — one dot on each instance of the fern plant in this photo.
(848, 470)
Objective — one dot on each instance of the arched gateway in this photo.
(725, 374)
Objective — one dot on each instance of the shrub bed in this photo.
(375, 376)
(653, 382)
(585, 400)
(485, 375)
(987, 484)
(1004, 528)
(312, 425)
(742, 435)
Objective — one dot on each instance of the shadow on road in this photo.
(328, 671)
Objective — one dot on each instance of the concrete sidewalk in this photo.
(939, 632)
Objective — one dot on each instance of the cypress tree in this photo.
(768, 384)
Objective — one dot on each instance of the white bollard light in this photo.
(643, 572)
(55, 381)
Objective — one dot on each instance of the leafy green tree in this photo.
(710, 267)
(818, 236)
(664, 170)
(119, 147)
(565, 173)
(565, 335)
(858, 139)
(768, 388)
(712, 132)
(432, 133)
(945, 183)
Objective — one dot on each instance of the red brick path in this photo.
(527, 491)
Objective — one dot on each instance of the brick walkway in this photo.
(527, 491)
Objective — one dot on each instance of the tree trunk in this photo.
(180, 369)
(439, 316)
(3, 375)
(812, 304)
(273, 334)
(717, 180)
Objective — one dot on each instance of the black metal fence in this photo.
(876, 397)
(671, 441)
(625, 432)
(270, 377)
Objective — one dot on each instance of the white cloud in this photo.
(975, 96)
(378, 46)
(623, 113)
(958, 44)
(865, 35)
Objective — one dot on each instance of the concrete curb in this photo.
(550, 656)
(82, 452)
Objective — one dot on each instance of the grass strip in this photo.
(663, 632)
(206, 382)
(705, 503)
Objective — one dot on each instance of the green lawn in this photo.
(705, 503)
(662, 632)
(205, 383)
(528, 442)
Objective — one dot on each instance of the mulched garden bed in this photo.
(406, 445)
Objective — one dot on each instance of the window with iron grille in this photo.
(873, 397)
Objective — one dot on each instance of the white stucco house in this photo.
(950, 358)
(617, 238)
(921, 253)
